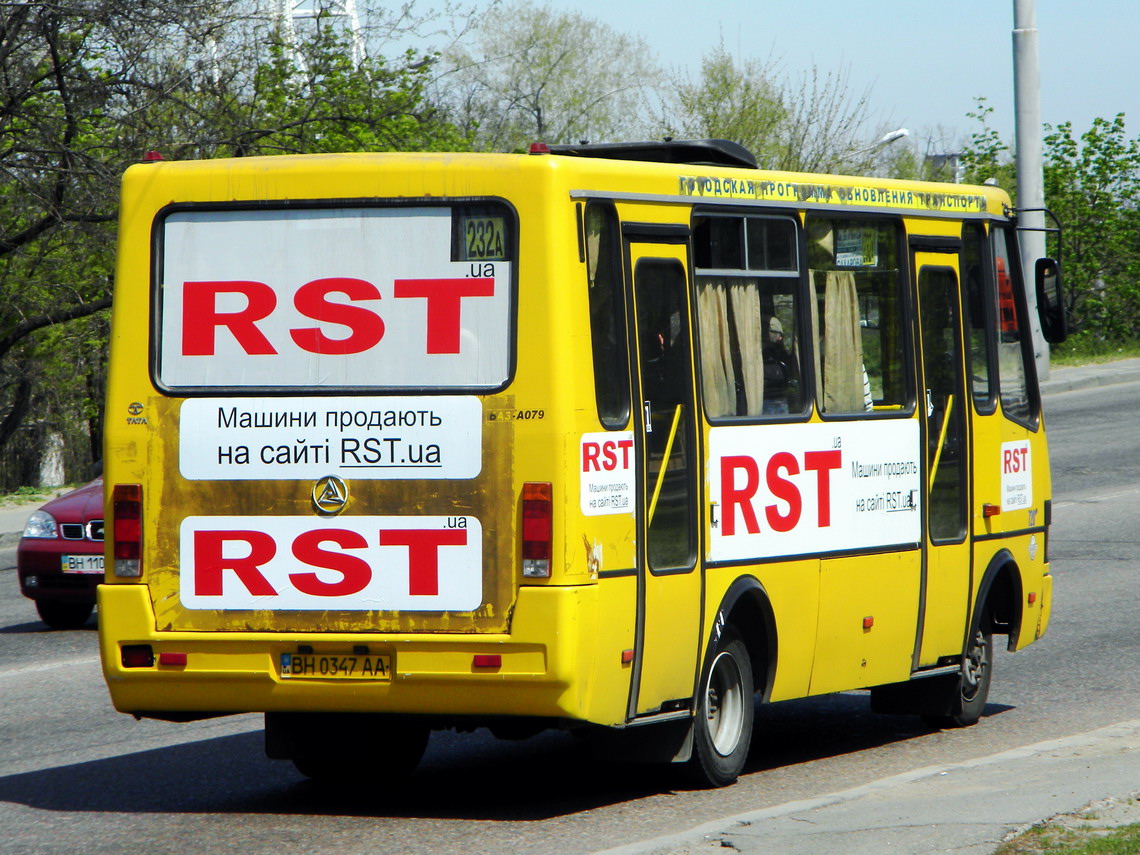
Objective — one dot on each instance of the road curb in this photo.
(823, 824)
(1076, 377)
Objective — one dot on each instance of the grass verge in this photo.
(1107, 827)
(1054, 840)
(1081, 350)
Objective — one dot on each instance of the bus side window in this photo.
(749, 311)
(979, 345)
(1012, 373)
(857, 315)
(607, 314)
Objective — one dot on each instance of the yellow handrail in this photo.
(941, 439)
(664, 463)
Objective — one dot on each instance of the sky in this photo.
(923, 60)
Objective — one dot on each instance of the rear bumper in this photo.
(544, 668)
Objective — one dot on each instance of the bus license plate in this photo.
(91, 564)
(308, 666)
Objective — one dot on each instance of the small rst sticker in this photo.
(607, 473)
(1016, 475)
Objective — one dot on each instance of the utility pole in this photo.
(1030, 162)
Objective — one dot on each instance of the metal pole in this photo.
(1030, 159)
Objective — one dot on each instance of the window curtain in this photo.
(750, 336)
(718, 379)
(839, 345)
(593, 247)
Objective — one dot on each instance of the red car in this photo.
(60, 556)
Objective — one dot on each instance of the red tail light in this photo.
(537, 530)
(126, 500)
(137, 656)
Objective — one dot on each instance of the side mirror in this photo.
(1051, 301)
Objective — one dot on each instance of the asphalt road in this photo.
(77, 776)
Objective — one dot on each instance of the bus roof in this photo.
(686, 171)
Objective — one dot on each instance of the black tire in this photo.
(387, 756)
(722, 729)
(64, 614)
(973, 688)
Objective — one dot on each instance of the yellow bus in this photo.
(610, 437)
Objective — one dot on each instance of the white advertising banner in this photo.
(607, 473)
(1016, 476)
(380, 438)
(780, 490)
(326, 298)
(372, 563)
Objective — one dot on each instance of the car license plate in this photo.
(309, 666)
(81, 563)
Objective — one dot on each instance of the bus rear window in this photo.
(314, 298)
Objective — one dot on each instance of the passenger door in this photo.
(945, 417)
(668, 477)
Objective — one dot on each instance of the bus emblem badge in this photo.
(330, 495)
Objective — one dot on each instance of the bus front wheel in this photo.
(973, 683)
(722, 730)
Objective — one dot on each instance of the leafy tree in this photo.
(813, 124)
(1092, 184)
(86, 86)
(59, 77)
(536, 73)
(729, 101)
(825, 131)
(986, 156)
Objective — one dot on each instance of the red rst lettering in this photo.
(355, 572)
(599, 456)
(366, 326)
(784, 489)
(731, 496)
(209, 563)
(822, 463)
(444, 297)
(423, 554)
(625, 445)
(590, 451)
(609, 459)
(201, 318)
(1015, 460)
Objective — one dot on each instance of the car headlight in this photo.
(40, 524)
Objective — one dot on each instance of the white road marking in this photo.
(49, 666)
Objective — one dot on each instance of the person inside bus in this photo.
(779, 369)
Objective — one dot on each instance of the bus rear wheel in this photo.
(362, 750)
(722, 730)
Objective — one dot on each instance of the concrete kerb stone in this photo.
(967, 807)
(1075, 377)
